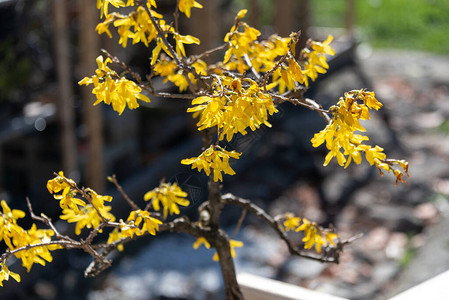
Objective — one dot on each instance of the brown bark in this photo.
(89, 50)
(219, 239)
(232, 288)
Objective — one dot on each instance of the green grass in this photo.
(404, 24)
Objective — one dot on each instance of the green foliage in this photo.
(417, 24)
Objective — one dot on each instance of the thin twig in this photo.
(47, 221)
(194, 58)
(250, 64)
(239, 223)
(270, 72)
(176, 16)
(117, 61)
(308, 103)
(123, 193)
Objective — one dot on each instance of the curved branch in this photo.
(328, 257)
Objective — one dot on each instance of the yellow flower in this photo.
(59, 183)
(169, 195)
(295, 70)
(128, 229)
(104, 26)
(5, 274)
(114, 236)
(330, 237)
(165, 68)
(186, 5)
(312, 235)
(232, 244)
(184, 39)
(11, 214)
(150, 224)
(324, 48)
(179, 80)
(315, 64)
(291, 222)
(201, 241)
(344, 144)
(67, 200)
(215, 158)
(316, 236)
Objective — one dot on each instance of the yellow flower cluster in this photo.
(232, 244)
(140, 221)
(139, 27)
(240, 43)
(314, 62)
(37, 254)
(243, 46)
(88, 215)
(314, 235)
(169, 195)
(236, 105)
(110, 88)
(135, 219)
(9, 230)
(16, 237)
(316, 59)
(215, 158)
(344, 144)
(170, 72)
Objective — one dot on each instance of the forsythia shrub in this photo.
(230, 97)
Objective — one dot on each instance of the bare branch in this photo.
(47, 221)
(306, 102)
(194, 58)
(239, 223)
(131, 203)
(250, 64)
(66, 244)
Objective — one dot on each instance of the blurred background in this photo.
(397, 48)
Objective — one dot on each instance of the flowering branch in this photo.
(327, 257)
